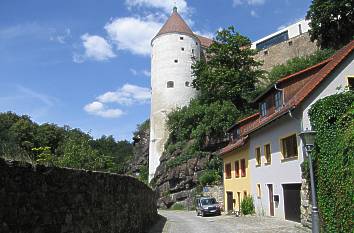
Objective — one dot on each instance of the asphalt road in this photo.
(188, 222)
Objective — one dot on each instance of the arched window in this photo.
(170, 84)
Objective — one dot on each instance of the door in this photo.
(229, 201)
(292, 202)
(271, 200)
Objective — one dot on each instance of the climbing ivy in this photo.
(333, 119)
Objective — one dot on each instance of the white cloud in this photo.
(142, 72)
(253, 13)
(126, 95)
(133, 34)
(62, 37)
(98, 109)
(205, 34)
(164, 5)
(248, 2)
(96, 48)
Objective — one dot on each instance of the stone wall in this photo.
(306, 206)
(56, 200)
(216, 191)
(278, 54)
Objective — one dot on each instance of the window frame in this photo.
(258, 156)
(263, 109)
(278, 100)
(228, 171)
(268, 158)
(237, 169)
(243, 168)
(284, 150)
(168, 84)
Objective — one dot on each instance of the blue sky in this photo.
(86, 63)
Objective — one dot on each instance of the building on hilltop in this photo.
(174, 49)
(289, 42)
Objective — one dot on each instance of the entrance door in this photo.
(229, 201)
(292, 201)
(271, 200)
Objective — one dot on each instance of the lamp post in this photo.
(308, 140)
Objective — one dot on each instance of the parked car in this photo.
(207, 206)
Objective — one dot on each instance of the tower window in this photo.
(170, 84)
(290, 43)
(193, 51)
(182, 49)
(176, 60)
(181, 38)
(187, 84)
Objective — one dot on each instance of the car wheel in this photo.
(203, 214)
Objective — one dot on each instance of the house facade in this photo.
(272, 134)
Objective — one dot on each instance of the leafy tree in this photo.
(230, 71)
(332, 22)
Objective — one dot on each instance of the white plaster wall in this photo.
(335, 83)
(165, 50)
(293, 31)
(278, 172)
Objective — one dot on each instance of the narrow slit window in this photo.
(182, 49)
(176, 60)
(181, 38)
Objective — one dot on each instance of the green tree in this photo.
(332, 22)
(230, 71)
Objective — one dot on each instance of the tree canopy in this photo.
(23, 139)
(230, 71)
(332, 22)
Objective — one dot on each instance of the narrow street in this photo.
(188, 222)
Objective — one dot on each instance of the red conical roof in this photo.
(175, 24)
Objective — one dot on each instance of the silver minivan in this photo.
(207, 206)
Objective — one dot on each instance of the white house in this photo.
(273, 133)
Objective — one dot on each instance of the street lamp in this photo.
(308, 140)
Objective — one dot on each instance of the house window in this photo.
(170, 84)
(181, 38)
(182, 49)
(228, 170)
(263, 108)
(289, 146)
(267, 153)
(351, 83)
(259, 194)
(237, 169)
(290, 43)
(243, 167)
(278, 100)
(258, 156)
(176, 60)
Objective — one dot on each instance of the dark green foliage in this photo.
(144, 174)
(178, 206)
(198, 120)
(22, 139)
(333, 119)
(332, 22)
(230, 72)
(247, 206)
(209, 177)
(298, 63)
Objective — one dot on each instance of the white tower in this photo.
(174, 49)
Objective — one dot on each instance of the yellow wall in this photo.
(239, 184)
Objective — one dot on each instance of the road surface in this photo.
(188, 222)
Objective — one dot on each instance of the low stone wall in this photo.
(306, 206)
(56, 200)
(216, 191)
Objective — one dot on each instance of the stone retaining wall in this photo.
(56, 200)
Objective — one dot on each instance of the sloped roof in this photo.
(175, 24)
(314, 81)
(204, 41)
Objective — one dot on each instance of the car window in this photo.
(208, 201)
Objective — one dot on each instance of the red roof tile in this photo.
(175, 24)
(239, 143)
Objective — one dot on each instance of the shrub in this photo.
(333, 119)
(247, 206)
(209, 177)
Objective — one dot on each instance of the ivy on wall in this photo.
(333, 119)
